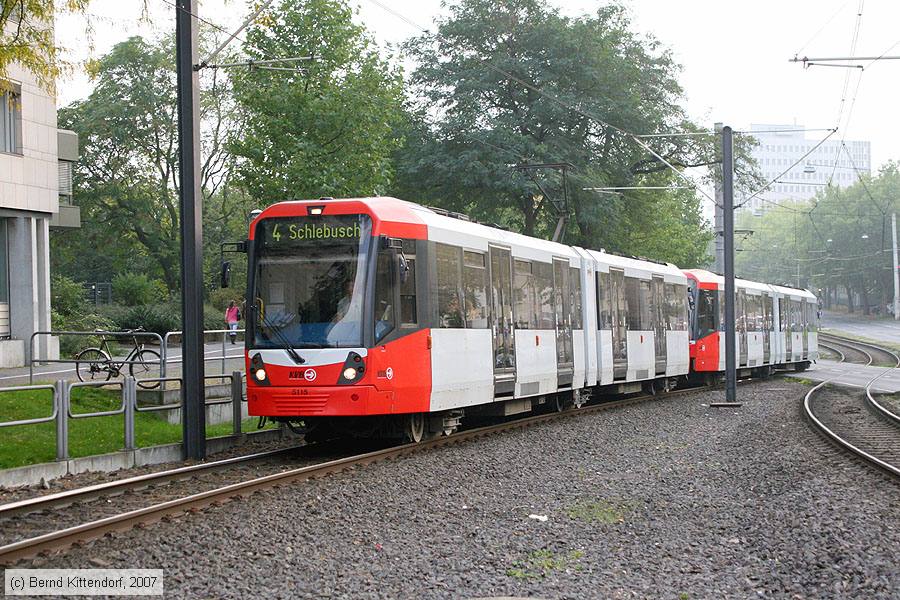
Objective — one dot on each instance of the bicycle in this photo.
(92, 364)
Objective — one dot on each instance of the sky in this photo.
(734, 55)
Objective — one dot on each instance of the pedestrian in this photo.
(232, 316)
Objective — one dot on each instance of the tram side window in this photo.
(384, 295)
(637, 302)
(681, 296)
(408, 295)
(525, 302)
(707, 311)
(475, 290)
(449, 313)
(752, 311)
(604, 301)
(676, 307)
(575, 294)
(813, 315)
(543, 284)
(721, 307)
(782, 316)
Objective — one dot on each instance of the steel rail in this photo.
(840, 441)
(112, 488)
(92, 530)
(833, 349)
(853, 343)
(862, 351)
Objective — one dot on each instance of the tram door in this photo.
(741, 325)
(561, 303)
(658, 315)
(767, 322)
(619, 323)
(784, 310)
(804, 318)
(502, 322)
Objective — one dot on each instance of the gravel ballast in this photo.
(665, 499)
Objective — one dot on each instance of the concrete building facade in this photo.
(29, 205)
(780, 146)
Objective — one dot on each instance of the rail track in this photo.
(125, 520)
(857, 422)
(854, 351)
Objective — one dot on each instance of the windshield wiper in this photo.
(292, 352)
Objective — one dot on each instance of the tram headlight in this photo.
(260, 374)
(350, 373)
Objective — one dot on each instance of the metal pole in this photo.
(129, 392)
(896, 269)
(717, 218)
(728, 235)
(193, 388)
(62, 420)
(237, 394)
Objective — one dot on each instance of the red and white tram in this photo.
(380, 316)
(775, 326)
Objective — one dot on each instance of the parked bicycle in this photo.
(97, 364)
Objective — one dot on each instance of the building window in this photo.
(10, 122)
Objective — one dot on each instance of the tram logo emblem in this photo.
(309, 375)
(389, 373)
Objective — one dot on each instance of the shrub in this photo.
(220, 297)
(133, 289)
(159, 319)
(70, 345)
(66, 296)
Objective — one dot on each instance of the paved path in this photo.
(885, 330)
(851, 374)
(54, 371)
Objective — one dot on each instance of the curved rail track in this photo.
(126, 520)
(854, 351)
(857, 422)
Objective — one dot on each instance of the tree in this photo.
(514, 81)
(127, 183)
(327, 130)
(838, 242)
(27, 37)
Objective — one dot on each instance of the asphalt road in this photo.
(885, 330)
(851, 374)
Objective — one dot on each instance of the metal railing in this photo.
(112, 334)
(164, 350)
(128, 407)
(164, 343)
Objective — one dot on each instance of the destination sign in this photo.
(304, 230)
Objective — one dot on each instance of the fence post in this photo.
(62, 422)
(237, 395)
(129, 393)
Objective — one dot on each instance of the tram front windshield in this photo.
(309, 281)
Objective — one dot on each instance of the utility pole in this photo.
(728, 256)
(718, 234)
(896, 269)
(193, 388)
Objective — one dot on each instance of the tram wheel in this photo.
(414, 429)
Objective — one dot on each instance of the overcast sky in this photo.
(734, 54)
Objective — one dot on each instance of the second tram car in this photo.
(775, 326)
